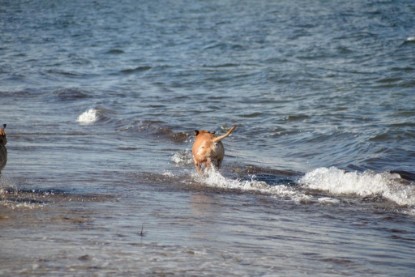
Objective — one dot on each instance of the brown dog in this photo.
(208, 149)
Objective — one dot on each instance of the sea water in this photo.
(102, 99)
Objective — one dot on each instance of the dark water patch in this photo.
(271, 179)
(402, 125)
(399, 231)
(296, 117)
(19, 93)
(115, 51)
(410, 176)
(127, 148)
(397, 237)
(338, 261)
(343, 50)
(381, 137)
(40, 196)
(137, 69)
(222, 46)
(51, 134)
(251, 115)
(156, 129)
(405, 113)
(403, 69)
(254, 170)
(389, 80)
(402, 136)
(3, 157)
(224, 65)
(65, 73)
(71, 94)
(105, 115)
(408, 83)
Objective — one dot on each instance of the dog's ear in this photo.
(196, 132)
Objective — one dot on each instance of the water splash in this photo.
(182, 158)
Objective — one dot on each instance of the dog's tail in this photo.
(225, 135)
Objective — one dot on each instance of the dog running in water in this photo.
(208, 149)
(3, 150)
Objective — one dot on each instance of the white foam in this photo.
(328, 200)
(88, 117)
(182, 158)
(168, 173)
(213, 178)
(22, 205)
(410, 212)
(411, 39)
(368, 183)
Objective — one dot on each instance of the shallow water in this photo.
(101, 100)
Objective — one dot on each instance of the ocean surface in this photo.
(101, 100)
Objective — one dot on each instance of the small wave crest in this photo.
(88, 117)
(93, 115)
(364, 184)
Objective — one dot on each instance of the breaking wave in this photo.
(321, 185)
(389, 186)
(213, 178)
(88, 117)
(93, 115)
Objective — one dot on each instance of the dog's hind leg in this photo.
(198, 167)
(218, 163)
(208, 163)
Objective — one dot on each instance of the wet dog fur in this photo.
(208, 149)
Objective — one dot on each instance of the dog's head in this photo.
(200, 132)
(3, 138)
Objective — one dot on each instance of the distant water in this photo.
(101, 99)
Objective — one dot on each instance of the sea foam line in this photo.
(213, 178)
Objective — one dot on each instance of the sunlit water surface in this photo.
(101, 99)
